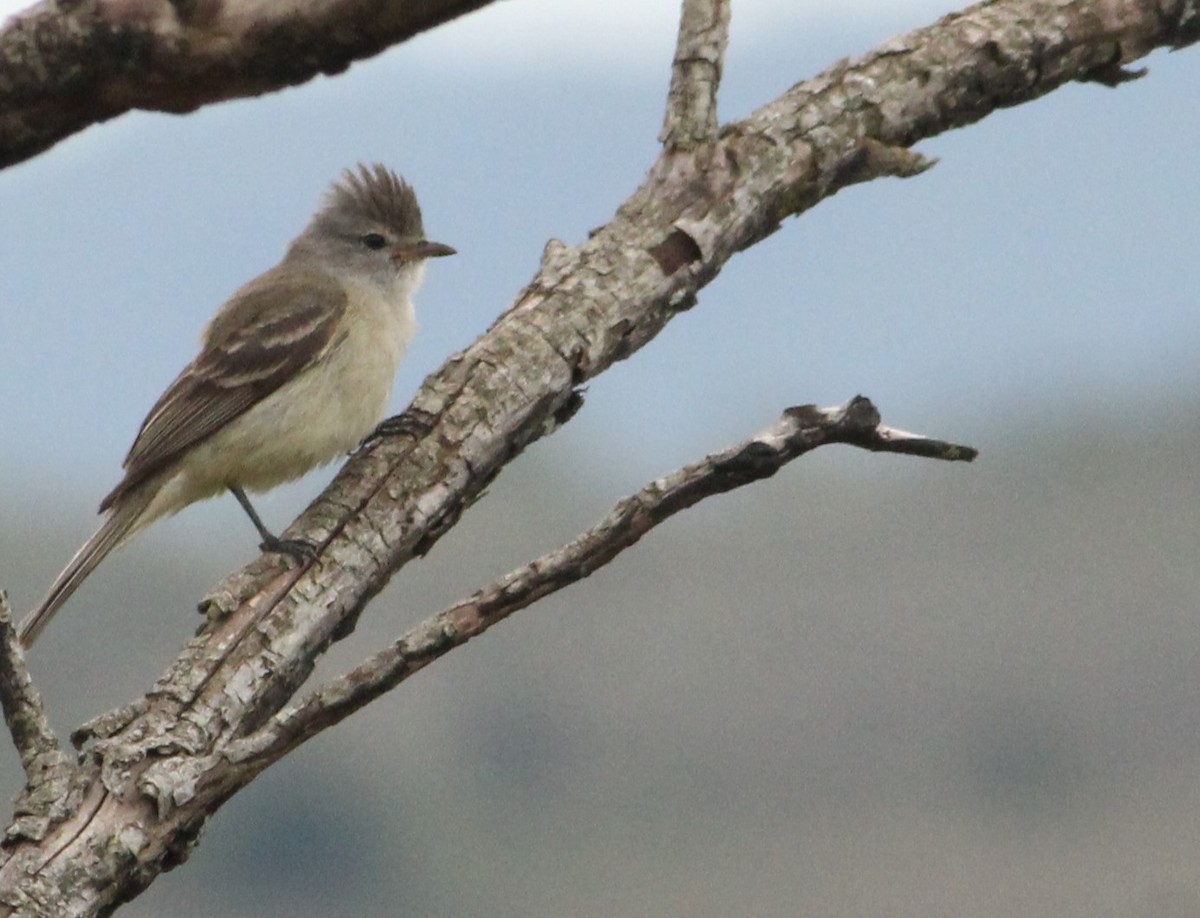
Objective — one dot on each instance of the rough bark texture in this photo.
(800, 430)
(153, 773)
(66, 64)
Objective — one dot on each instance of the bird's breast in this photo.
(319, 415)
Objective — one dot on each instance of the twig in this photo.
(800, 430)
(51, 778)
(691, 117)
(23, 710)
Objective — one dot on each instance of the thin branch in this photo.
(23, 709)
(800, 430)
(53, 783)
(691, 118)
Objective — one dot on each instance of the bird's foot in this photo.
(412, 422)
(300, 549)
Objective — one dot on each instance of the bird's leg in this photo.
(299, 549)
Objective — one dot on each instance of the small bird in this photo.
(295, 369)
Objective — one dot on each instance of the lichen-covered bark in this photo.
(152, 774)
(799, 431)
(67, 65)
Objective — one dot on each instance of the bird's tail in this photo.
(123, 520)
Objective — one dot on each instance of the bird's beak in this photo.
(421, 249)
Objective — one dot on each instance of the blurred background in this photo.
(871, 686)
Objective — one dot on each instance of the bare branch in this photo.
(857, 423)
(51, 780)
(691, 118)
(593, 304)
(65, 66)
(23, 710)
(800, 430)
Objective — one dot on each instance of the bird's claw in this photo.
(300, 549)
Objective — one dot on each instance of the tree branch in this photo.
(691, 117)
(50, 777)
(23, 709)
(67, 65)
(800, 430)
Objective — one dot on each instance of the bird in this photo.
(294, 369)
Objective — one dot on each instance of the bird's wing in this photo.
(268, 332)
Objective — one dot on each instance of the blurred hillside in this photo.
(871, 686)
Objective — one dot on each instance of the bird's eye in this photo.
(374, 241)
